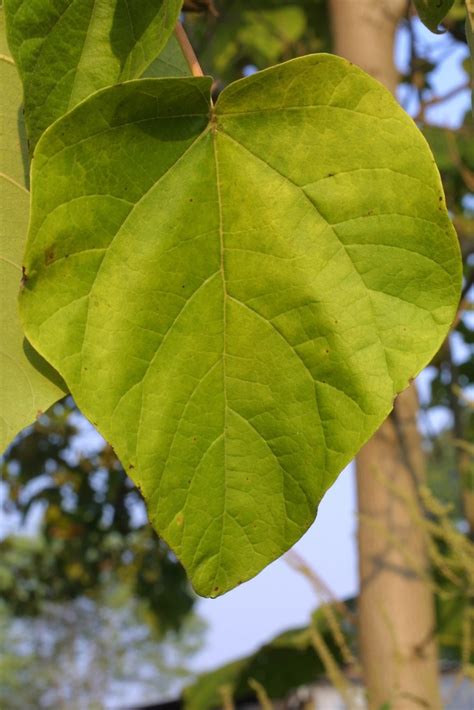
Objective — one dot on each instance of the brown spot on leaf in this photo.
(49, 256)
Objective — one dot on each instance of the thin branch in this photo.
(448, 95)
(334, 673)
(294, 560)
(200, 6)
(262, 695)
(187, 50)
(424, 104)
(464, 303)
(468, 285)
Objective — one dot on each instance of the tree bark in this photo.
(396, 610)
(396, 614)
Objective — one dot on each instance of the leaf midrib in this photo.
(224, 330)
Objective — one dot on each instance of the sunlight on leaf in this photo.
(235, 294)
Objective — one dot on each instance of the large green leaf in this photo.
(432, 12)
(235, 294)
(25, 385)
(67, 49)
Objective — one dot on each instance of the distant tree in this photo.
(92, 652)
(91, 524)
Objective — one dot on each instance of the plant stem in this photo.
(187, 50)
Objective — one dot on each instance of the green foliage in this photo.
(92, 532)
(271, 312)
(442, 471)
(432, 12)
(28, 384)
(454, 153)
(280, 666)
(293, 659)
(68, 49)
(257, 33)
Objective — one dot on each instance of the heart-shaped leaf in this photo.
(432, 12)
(67, 49)
(235, 294)
(27, 384)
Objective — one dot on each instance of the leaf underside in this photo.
(28, 385)
(170, 62)
(68, 49)
(235, 294)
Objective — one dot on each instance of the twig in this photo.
(440, 99)
(200, 6)
(468, 285)
(294, 560)
(262, 695)
(187, 50)
(334, 673)
(226, 696)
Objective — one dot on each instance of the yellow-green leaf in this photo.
(26, 387)
(236, 293)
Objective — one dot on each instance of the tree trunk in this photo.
(396, 611)
(396, 616)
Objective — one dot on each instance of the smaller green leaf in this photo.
(68, 49)
(27, 384)
(170, 62)
(432, 12)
